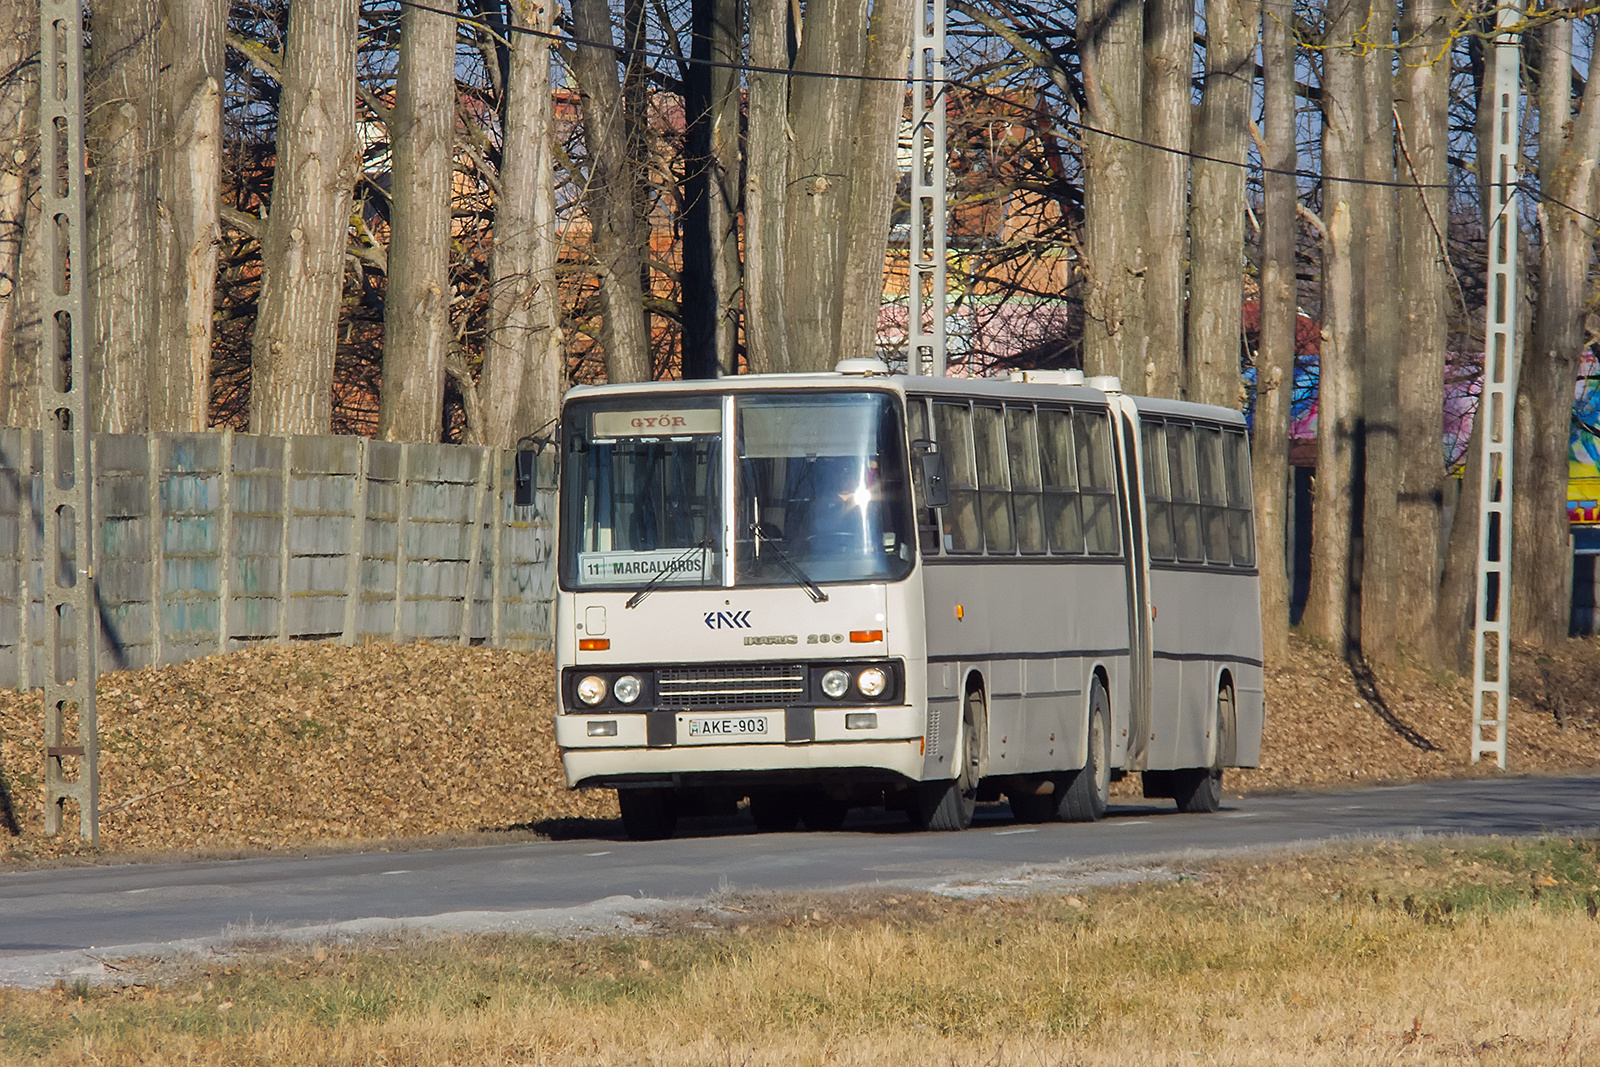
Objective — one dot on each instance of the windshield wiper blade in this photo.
(813, 590)
(671, 568)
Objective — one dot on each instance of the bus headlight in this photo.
(626, 689)
(592, 690)
(872, 682)
(836, 683)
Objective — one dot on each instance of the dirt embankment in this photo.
(294, 746)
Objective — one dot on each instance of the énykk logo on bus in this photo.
(728, 620)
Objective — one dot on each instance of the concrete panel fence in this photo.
(213, 542)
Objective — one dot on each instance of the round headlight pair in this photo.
(592, 689)
(872, 682)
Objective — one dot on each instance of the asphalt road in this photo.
(62, 912)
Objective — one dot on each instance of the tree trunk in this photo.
(416, 307)
(1425, 281)
(1168, 118)
(188, 224)
(1327, 614)
(617, 251)
(1378, 425)
(1541, 557)
(1458, 584)
(710, 273)
(1279, 312)
(1110, 43)
(1216, 217)
(303, 251)
(766, 178)
(874, 176)
(523, 370)
(120, 90)
(19, 161)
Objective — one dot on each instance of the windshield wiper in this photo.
(813, 590)
(671, 568)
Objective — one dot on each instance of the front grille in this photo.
(732, 685)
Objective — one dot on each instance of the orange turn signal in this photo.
(593, 644)
(862, 637)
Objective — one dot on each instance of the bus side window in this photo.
(1060, 471)
(952, 424)
(1213, 494)
(927, 518)
(1157, 491)
(1091, 433)
(1241, 531)
(1023, 448)
(1185, 493)
(994, 485)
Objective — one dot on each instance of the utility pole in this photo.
(1491, 646)
(72, 621)
(925, 300)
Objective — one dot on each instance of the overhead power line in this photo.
(948, 83)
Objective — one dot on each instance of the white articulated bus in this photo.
(823, 591)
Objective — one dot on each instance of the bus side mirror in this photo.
(931, 464)
(535, 469)
(527, 462)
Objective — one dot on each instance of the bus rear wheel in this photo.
(1198, 790)
(949, 804)
(1089, 792)
(648, 814)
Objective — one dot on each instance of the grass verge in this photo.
(1480, 951)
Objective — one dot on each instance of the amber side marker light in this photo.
(593, 644)
(865, 637)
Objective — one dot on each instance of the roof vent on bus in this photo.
(1106, 383)
(1048, 377)
(865, 366)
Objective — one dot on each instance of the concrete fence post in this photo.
(401, 506)
(224, 539)
(358, 532)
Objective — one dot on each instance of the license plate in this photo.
(732, 727)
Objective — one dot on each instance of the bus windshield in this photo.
(821, 492)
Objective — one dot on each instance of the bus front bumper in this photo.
(597, 748)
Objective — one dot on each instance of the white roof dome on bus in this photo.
(1049, 377)
(865, 366)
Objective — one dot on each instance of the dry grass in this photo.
(1483, 952)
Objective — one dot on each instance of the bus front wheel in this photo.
(648, 814)
(949, 804)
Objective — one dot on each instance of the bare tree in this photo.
(1279, 311)
(1110, 42)
(303, 247)
(120, 86)
(1378, 428)
(766, 182)
(1423, 113)
(1327, 613)
(19, 117)
(1216, 214)
(711, 193)
(523, 372)
(1168, 116)
(1568, 145)
(188, 214)
(416, 310)
(618, 236)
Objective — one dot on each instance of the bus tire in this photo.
(1198, 790)
(648, 814)
(1089, 792)
(774, 811)
(948, 805)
